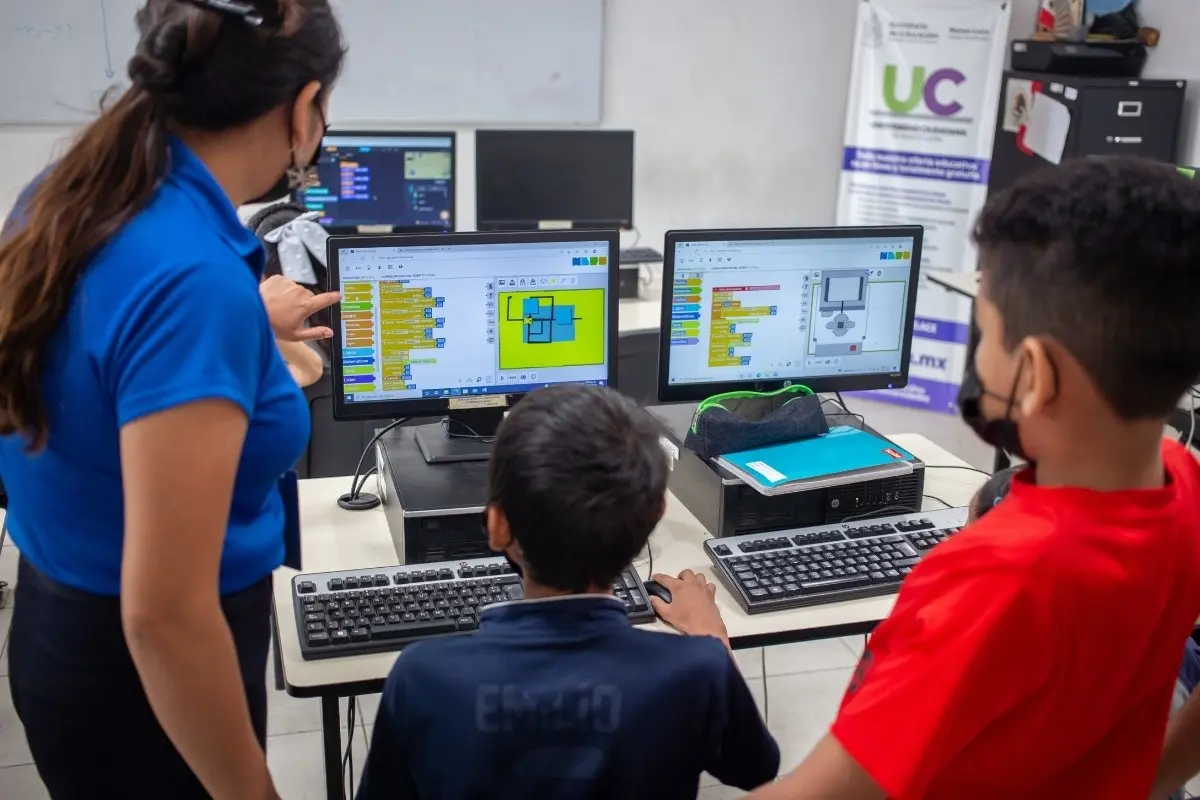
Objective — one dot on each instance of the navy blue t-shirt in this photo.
(166, 314)
(563, 698)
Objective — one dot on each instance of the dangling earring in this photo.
(302, 178)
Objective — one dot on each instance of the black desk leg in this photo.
(331, 734)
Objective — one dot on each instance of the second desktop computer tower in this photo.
(726, 506)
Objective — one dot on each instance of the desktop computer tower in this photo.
(1101, 117)
(726, 506)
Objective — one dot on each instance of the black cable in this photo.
(766, 698)
(879, 512)
(957, 466)
(842, 402)
(363, 480)
(470, 434)
(356, 500)
(862, 421)
(348, 757)
(938, 499)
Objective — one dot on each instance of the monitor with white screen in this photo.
(829, 308)
(465, 324)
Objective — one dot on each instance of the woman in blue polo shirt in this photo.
(145, 413)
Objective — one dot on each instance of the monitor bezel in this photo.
(696, 392)
(576, 225)
(398, 230)
(424, 407)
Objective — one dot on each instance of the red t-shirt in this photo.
(1034, 653)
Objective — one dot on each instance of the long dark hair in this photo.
(196, 67)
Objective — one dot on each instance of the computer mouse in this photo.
(656, 589)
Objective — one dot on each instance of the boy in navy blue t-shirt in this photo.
(557, 695)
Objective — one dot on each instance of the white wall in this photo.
(739, 107)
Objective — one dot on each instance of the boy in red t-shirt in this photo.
(1033, 654)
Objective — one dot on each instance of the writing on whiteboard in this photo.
(60, 31)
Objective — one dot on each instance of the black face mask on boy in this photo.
(297, 176)
(1003, 432)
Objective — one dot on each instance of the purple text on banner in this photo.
(940, 330)
(920, 393)
(916, 165)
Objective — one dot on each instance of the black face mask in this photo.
(1002, 433)
(296, 177)
(516, 567)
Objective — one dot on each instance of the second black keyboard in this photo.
(828, 563)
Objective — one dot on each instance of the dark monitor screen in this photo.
(830, 308)
(384, 182)
(526, 180)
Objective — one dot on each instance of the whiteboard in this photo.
(425, 62)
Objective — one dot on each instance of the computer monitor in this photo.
(465, 324)
(387, 182)
(553, 180)
(829, 308)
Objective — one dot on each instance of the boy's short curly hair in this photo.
(1102, 255)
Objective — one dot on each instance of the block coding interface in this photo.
(788, 309)
(400, 181)
(448, 321)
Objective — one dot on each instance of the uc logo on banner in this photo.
(921, 88)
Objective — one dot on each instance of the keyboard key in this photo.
(413, 630)
(306, 587)
(834, 584)
(360, 635)
(318, 639)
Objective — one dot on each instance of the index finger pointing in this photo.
(319, 302)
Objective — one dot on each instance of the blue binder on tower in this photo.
(844, 455)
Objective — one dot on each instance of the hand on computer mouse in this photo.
(693, 608)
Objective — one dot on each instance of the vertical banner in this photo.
(924, 89)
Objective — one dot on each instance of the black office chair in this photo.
(637, 366)
(334, 447)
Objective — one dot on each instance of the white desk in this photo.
(334, 539)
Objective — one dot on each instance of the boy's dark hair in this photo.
(1103, 256)
(581, 477)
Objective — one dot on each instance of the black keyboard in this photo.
(641, 255)
(828, 563)
(360, 611)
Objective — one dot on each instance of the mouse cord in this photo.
(348, 758)
(766, 698)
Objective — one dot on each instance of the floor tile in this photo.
(13, 749)
(802, 707)
(790, 659)
(22, 783)
(297, 766)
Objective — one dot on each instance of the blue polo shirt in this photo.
(166, 313)
(564, 699)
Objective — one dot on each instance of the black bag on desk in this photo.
(737, 421)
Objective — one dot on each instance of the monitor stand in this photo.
(461, 436)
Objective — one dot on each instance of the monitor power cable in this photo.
(356, 499)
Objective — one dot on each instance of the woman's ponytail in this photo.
(105, 178)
